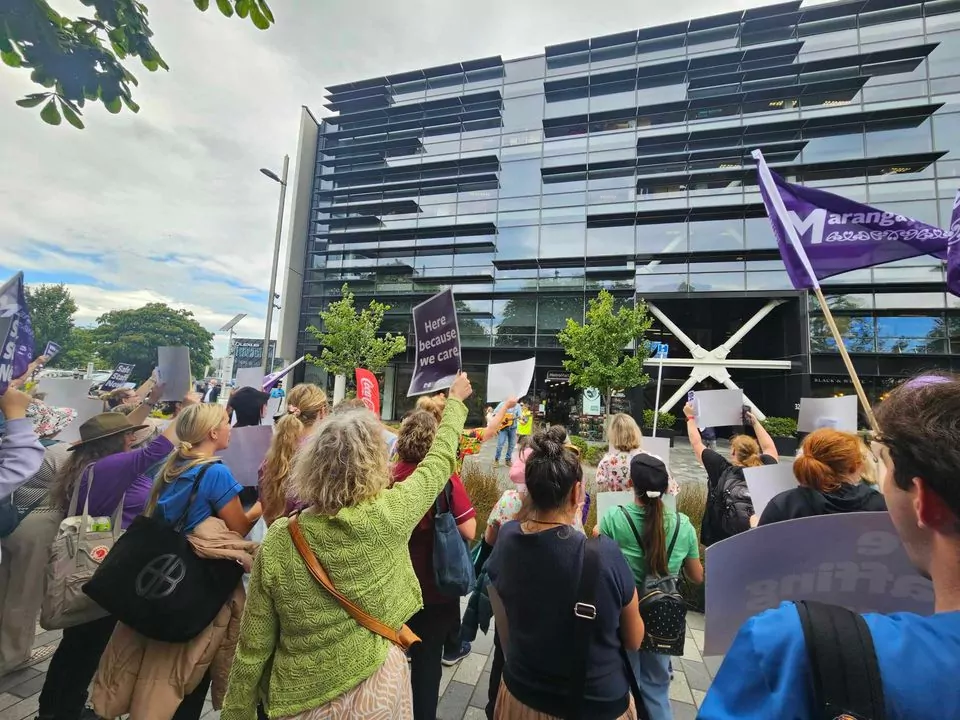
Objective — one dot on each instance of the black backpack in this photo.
(662, 607)
(843, 663)
(729, 507)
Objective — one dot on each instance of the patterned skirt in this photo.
(385, 695)
(509, 708)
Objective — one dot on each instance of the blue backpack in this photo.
(452, 566)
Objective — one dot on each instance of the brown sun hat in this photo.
(103, 426)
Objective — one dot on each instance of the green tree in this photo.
(51, 312)
(133, 336)
(597, 355)
(81, 350)
(857, 330)
(80, 59)
(350, 338)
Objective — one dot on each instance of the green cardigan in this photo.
(296, 642)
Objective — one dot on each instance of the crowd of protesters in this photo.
(348, 611)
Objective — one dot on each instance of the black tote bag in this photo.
(153, 582)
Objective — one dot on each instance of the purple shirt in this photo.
(122, 473)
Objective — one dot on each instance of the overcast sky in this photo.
(168, 205)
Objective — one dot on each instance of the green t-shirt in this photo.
(614, 525)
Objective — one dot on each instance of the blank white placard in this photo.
(174, 370)
(839, 413)
(768, 481)
(511, 379)
(719, 408)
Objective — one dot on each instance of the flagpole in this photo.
(784, 219)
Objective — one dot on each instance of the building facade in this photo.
(623, 163)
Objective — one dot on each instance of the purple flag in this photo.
(16, 332)
(953, 250)
(821, 234)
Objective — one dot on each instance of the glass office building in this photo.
(623, 163)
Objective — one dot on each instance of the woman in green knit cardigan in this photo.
(299, 652)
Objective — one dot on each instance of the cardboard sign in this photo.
(839, 413)
(70, 393)
(657, 446)
(511, 379)
(118, 378)
(250, 377)
(437, 342)
(51, 350)
(850, 559)
(607, 501)
(718, 408)
(174, 371)
(768, 481)
(248, 447)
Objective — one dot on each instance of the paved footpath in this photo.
(463, 688)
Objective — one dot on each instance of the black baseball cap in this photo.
(649, 474)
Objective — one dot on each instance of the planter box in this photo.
(661, 433)
(786, 445)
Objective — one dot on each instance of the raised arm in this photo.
(767, 446)
(693, 433)
(21, 453)
(146, 407)
(410, 500)
(191, 398)
(493, 427)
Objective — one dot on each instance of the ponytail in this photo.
(276, 466)
(654, 536)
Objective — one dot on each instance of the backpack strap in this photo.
(636, 534)
(584, 623)
(843, 663)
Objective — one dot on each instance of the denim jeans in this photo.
(506, 438)
(652, 672)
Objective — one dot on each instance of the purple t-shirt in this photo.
(122, 473)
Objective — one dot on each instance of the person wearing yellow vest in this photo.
(525, 425)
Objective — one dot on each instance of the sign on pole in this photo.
(659, 350)
(119, 377)
(851, 559)
(437, 341)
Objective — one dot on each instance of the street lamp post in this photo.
(276, 258)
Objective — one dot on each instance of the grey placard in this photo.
(719, 408)
(839, 413)
(174, 370)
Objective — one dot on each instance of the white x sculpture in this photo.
(714, 363)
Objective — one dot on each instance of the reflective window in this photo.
(562, 240)
(836, 147)
(519, 243)
(521, 70)
(523, 113)
(520, 178)
(554, 312)
(759, 234)
(531, 87)
(616, 241)
(662, 283)
(857, 331)
(716, 235)
(769, 280)
(517, 316)
(663, 238)
(909, 301)
(944, 59)
(518, 217)
(901, 141)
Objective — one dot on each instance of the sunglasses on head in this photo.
(572, 448)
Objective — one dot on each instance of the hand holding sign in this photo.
(14, 403)
(461, 388)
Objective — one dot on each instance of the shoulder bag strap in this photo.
(843, 662)
(584, 622)
(403, 638)
(182, 522)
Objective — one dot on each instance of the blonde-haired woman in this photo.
(127, 679)
(613, 472)
(298, 645)
(306, 406)
(744, 452)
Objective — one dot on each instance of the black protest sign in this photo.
(119, 378)
(437, 339)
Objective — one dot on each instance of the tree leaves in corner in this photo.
(81, 59)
